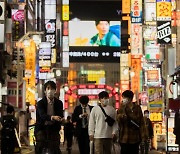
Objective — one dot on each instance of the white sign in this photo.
(2, 33)
(1, 10)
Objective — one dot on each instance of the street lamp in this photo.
(18, 59)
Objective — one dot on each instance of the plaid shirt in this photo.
(127, 133)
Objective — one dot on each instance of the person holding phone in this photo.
(130, 120)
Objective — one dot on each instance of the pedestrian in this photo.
(177, 128)
(8, 137)
(80, 117)
(148, 133)
(49, 114)
(130, 120)
(68, 131)
(101, 130)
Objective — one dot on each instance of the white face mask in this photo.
(146, 115)
(125, 101)
(50, 93)
(106, 102)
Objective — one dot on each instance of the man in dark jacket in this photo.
(49, 115)
(8, 137)
(148, 131)
(80, 117)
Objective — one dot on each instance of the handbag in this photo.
(110, 121)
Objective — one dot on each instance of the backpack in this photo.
(8, 124)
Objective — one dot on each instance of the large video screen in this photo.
(95, 31)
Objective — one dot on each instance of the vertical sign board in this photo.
(65, 40)
(136, 39)
(164, 32)
(135, 73)
(17, 24)
(50, 36)
(136, 11)
(126, 6)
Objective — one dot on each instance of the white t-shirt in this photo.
(97, 125)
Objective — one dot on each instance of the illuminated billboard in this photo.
(94, 31)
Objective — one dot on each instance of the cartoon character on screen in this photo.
(107, 35)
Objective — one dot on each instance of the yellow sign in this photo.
(65, 12)
(163, 10)
(155, 96)
(156, 116)
(30, 68)
(126, 6)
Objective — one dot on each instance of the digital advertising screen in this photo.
(94, 31)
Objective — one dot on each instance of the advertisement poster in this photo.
(163, 10)
(155, 96)
(136, 11)
(164, 32)
(136, 39)
(150, 11)
(153, 77)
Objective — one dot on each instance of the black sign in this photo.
(94, 54)
(164, 32)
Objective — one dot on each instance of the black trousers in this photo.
(127, 148)
(47, 142)
(7, 145)
(83, 141)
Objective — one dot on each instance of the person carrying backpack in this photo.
(8, 137)
(106, 36)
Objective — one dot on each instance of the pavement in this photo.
(30, 150)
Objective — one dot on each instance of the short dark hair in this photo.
(146, 111)
(10, 109)
(84, 100)
(97, 21)
(51, 83)
(103, 94)
(68, 117)
(128, 94)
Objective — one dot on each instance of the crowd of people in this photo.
(96, 128)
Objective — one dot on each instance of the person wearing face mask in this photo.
(148, 129)
(130, 120)
(80, 118)
(49, 115)
(99, 131)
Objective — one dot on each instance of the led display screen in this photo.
(94, 31)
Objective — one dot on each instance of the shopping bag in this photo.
(91, 144)
(116, 148)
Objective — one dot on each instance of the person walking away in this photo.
(80, 118)
(177, 128)
(49, 115)
(8, 137)
(69, 129)
(148, 131)
(100, 131)
(130, 120)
